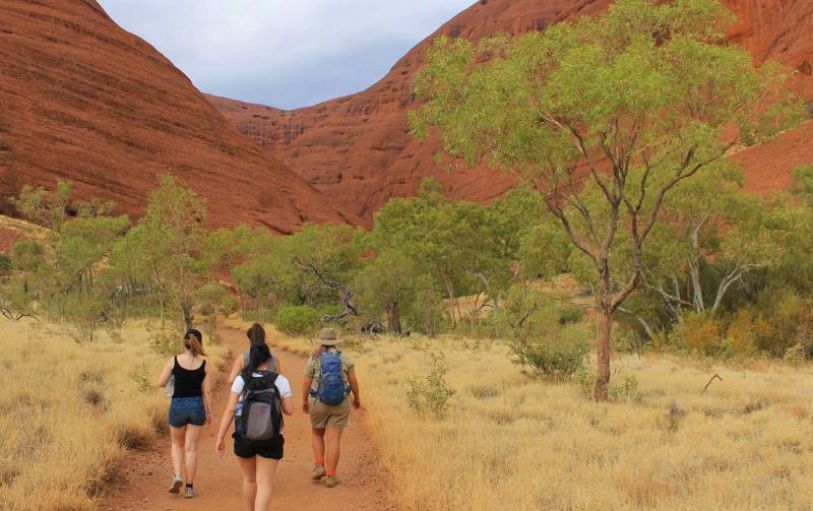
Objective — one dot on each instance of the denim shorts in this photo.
(187, 410)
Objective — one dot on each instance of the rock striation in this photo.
(358, 148)
(83, 100)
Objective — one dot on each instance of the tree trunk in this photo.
(451, 307)
(394, 318)
(603, 370)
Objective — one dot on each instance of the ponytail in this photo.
(193, 341)
(256, 334)
(258, 355)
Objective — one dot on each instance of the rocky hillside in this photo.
(358, 150)
(84, 100)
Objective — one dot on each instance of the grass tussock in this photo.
(68, 412)
(510, 442)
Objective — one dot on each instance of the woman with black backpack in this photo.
(259, 397)
(255, 335)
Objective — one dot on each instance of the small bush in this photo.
(796, 354)
(553, 360)
(166, 340)
(5, 265)
(626, 390)
(298, 319)
(432, 393)
(570, 315)
(698, 333)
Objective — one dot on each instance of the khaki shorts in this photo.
(323, 415)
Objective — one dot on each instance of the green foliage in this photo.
(650, 89)
(298, 319)
(43, 207)
(212, 299)
(556, 360)
(168, 244)
(431, 394)
(166, 339)
(5, 265)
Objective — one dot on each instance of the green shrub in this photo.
(298, 319)
(432, 393)
(555, 360)
(5, 265)
(570, 315)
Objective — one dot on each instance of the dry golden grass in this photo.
(69, 411)
(511, 443)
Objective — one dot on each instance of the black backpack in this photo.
(261, 418)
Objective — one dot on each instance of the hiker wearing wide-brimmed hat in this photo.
(329, 377)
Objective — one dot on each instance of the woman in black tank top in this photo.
(189, 409)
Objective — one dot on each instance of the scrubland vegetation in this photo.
(628, 267)
(509, 442)
(477, 434)
(69, 410)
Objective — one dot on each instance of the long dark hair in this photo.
(258, 355)
(256, 334)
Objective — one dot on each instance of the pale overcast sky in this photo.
(283, 53)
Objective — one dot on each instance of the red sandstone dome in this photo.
(84, 100)
(358, 149)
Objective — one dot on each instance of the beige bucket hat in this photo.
(328, 337)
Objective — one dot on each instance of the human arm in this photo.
(225, 423)
(236, 368)
(207, 394)
(306, 392)
(166, 372)
(354, 387)
(287, 405)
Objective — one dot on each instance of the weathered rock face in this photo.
(84, 100)
(357, 149)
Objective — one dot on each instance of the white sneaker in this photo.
(177, 482)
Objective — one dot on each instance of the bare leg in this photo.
(177, 435)
(334, 441)
(318, 442)
(249, 468)
(265, 477)
(191, 452)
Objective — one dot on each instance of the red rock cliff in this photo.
(84, 100)
(358, 150)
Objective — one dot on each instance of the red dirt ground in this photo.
(84, 100)
(146, 474)
(358, 149)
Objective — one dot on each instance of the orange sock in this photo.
(320, 462)
(331, 474)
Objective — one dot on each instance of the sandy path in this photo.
(146, 474)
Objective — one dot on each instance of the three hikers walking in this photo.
(260, 397)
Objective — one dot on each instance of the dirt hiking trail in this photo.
(145, 476)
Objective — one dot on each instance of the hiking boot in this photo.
(190, 492)
(318, 472)
(177, 482)
(331, 482)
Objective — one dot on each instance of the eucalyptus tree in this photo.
(634, 102)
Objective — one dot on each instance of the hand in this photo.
(220, 447)
(306, 407)
(357, 404)
(208, 418)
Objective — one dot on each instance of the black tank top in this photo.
(188, 382)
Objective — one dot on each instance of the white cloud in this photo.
(286, 53)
